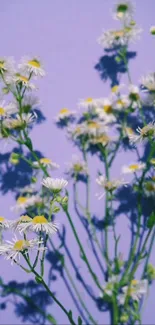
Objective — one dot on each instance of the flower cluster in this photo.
(103, 127)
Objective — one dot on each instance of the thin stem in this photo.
(90, 222)
(148, 254)
(41, 280)
(106, 248)
(140, 256)
(84, 257)
(75, 288)
(114, 311)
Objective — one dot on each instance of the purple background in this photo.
(63, 34)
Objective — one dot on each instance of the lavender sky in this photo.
(63, 34)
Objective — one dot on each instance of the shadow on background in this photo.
(29, 299)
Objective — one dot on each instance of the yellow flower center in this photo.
(16, 123)
(93, 125)
(118, 33)
(147, 131)
(129, 130)
(107, 109)
(1, 64)
(150, 187)
(2, 111)
(22, 199)
(22, 78)
(134, 282)
(114, 89)
(64, 111)
(2, 219)
(153, 178)
(89, 100)
(39, 219)
(78, 130)
(25, 219)
(45, 161)
(102, 139)
(78, 168)
(109, 286)
(134, 167)
(34, 63)
(20, 245)
(120, 102)
(131, 291)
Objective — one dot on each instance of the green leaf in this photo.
(70, 314)
(28, 143)
(79, 320)
(38, 279)
(51, 319)
(151, 221)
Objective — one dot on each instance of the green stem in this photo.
(106, 248)
(84, 257)
(133, 251)
(75, 288)
(140, 256)
(41, 280)
(148, 255)
(90, 222)
(114, 311)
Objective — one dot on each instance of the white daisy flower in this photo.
(149, 188)
(77, 167)
(124, 10)
(88, 128)
(152, 30)
(105, 110)
(109, 285)
(20, 121)
(4, 223)
(148, 131)
(54, 184)
(27, 189)
(134, 95)
(23, 219)
(30, 101)
(20, 79)
(7, 65)
(136, 291)
(103, 139)
(32, 65)
(46, 162)
(113, 38)
(7, 109)
(148, 82)
(88, 103)
(108, 118)
(107, 185)
(29, 118)
(37, 224)
(133, 168)
(13, 250)
(24, 202)
(128, 132)
(64, 113)
(121, 102)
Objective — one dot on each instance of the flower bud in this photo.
(152, 30)
(124, 318)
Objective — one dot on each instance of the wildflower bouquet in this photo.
(102, 127)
